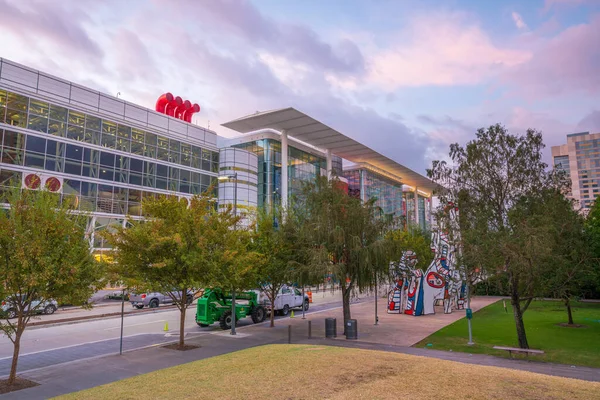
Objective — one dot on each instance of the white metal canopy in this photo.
(308, 130)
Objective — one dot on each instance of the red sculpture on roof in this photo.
(176, 107)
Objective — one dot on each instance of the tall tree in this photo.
(345, 237)
(45, 256)
(487, 179)
(234, 262)
(277, 240)
(570, 265)
(171, 251)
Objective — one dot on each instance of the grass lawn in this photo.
(316, 372)
(492, 326)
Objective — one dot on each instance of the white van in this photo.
(288, 298)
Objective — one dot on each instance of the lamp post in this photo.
(225, 178)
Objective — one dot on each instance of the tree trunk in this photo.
(16, 349)
(518, 315)
(183, 309)
(272, 299)
(346, 303)
(569, 312)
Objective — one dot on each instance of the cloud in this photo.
(37, 23)
(549, 4)
(567, 63)
(590, 123)
(519, 23)
(441, 49)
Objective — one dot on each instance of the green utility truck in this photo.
(215, 305)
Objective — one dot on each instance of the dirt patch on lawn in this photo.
(185, 347)
(564, 325)
(18, 384)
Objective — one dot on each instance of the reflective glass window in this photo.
(34, 160)
(57, 128)
(75, 132)
(137, 135)
(58, 113)
(38, 123)
(74, 152)
(39, 107)
(16, 118)
(73, 167)
(76, 118)
(109, 127)
(107, 159)
(151, 139)
(92, 123)
(109, 141)
(124, 132)
(36, 144)
(17, 102)
(137, 148)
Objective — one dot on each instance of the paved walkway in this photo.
(79, 375)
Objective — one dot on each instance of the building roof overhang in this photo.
(315, 133)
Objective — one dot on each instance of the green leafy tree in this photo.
(171, 251)
(277, 241)
(345, 237)
(234, 263)
(490, 179)
(592, 228)
(45, 256)
(570, 266)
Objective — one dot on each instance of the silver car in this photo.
(9, 310)
(153, 300)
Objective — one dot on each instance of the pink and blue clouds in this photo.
(405, 77)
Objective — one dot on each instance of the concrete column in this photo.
(329, 163)
(416, 207)
(284, 169)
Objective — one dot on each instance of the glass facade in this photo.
(587, 154)
(107, 167)
(302, 166)
(387, 191)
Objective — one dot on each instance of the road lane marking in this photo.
(141, 323)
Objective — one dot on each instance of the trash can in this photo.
(330, 327)
(351, 329)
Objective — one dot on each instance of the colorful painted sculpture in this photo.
(416, 292)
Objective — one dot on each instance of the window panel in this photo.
(136, 165)
(124, 132)
(76, 118)
(13, 139)
(135, 178)
(74, 152)
(89, 170)
(73, 167)
(151, 139)
(57, 128)
(58, 113)
(196, 151)
(34, 160)
(137, 148)
(17, 102)
(215, 156)
(93, 123)
(162, 170)
(16, 118)
(196, 162)
(106, 173)
(109, 127)
(149, 151)
(75, 132)
(38, 107)
(162, 142)
(174, 145)
(109, 141)
(37, 123)
(107, 159)
(137, 135)
(123, 145)
(162, 154)
(36, 144)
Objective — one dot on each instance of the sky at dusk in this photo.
(406, 78)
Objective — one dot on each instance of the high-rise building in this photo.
(580, 159)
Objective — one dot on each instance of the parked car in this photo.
(40, 307)
(153, 300)
(288, 298)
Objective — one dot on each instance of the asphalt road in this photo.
(56, 344)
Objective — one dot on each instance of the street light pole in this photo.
(234, 227)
